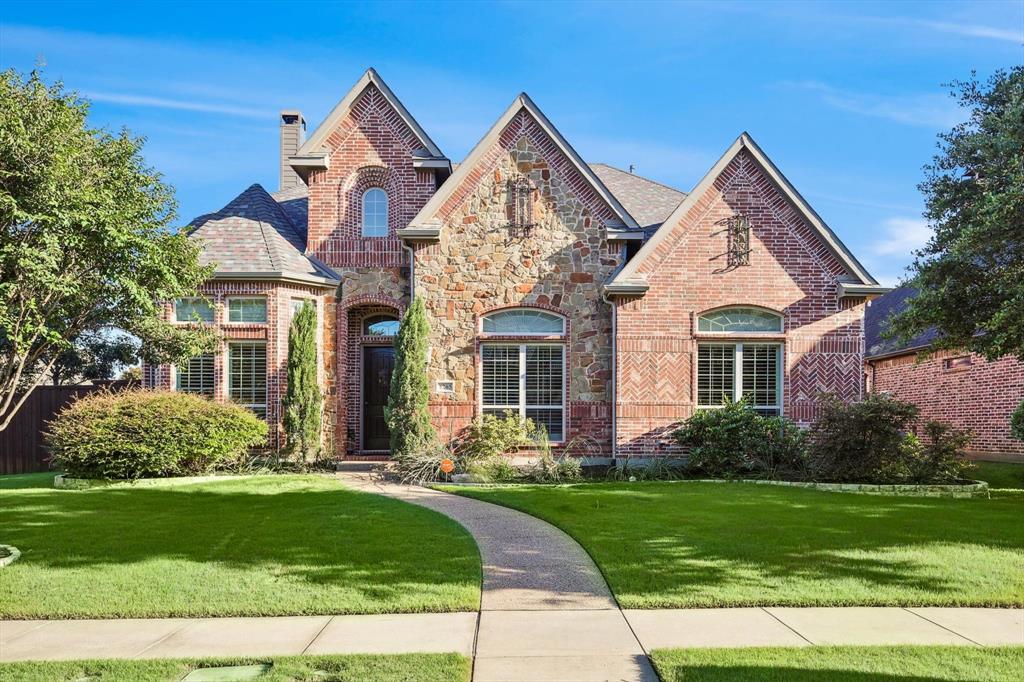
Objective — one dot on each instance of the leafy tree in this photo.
(407, 412)
(302, 400)
(85, 241)
(93, 356)
(970, 275)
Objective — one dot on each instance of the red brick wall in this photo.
(790, 272)
(274, 332)
(979, 396)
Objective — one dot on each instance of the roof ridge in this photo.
(639, 177)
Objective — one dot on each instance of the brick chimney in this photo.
(293, 134)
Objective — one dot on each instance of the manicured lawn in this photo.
(17, 481)
(840, 664)
(691, 544)
(274, 545)
(380, 668)
(1000, 474)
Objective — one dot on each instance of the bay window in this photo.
(247, 376)
(195, 375)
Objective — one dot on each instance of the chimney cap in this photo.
(292, 116)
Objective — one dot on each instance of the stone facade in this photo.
(790, 272)
(963, 389)
(483, 264)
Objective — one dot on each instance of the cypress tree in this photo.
(407, 412)
(302, 401)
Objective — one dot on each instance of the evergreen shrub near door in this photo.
(407, 412)
(137, 434)
(302, 399)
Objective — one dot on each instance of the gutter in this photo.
(282, 276)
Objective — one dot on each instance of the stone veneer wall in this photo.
(481, 265)
(790, 272)
(979, 396)
(274, 332)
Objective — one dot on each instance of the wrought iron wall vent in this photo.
(738, 229)
(521, 209)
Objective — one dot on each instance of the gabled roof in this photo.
(315, 144)
(629, 275)
(877, 318)
(253, 238)
(424, 220)
(648, 201)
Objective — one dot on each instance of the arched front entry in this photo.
(370, 362)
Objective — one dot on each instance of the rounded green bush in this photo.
(137, 434)
(1017, 422)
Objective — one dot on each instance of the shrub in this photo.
(862, 442)
(302, 399)
(490, 436)
(407, 412)
(423, 464)
(940, 458)
(734, 441)
(657, 469)
(1017, 422)
(135, 434)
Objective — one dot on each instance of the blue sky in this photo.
(846, 98)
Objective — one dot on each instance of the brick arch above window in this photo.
(537, 307)
(350, 198)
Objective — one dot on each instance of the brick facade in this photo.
(963, 389)
(790, 272)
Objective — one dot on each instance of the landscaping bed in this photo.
(349, 668)
(259, 546)
(840, 664)
(670, 545)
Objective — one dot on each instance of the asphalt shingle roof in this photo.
(649, 202)
(876, 321)
(255, 233)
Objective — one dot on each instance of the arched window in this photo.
(742, 370)
(740, 320)
(375, 213)
(521, 376)
(523, 322)
(380, 325)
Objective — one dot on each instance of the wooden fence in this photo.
(22, 449)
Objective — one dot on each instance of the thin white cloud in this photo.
(973, 30)
(924, 109)
(164, 103)
(903, 236)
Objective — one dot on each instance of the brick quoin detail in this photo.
(791, 271)
(980, 396)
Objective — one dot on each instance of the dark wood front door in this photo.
(378, 363)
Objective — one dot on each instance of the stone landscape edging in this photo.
(13, 555)
(68, 483)
(960, 491)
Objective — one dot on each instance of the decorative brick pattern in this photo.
(791, 272)
(979, 396)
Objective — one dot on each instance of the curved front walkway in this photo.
(546, 612)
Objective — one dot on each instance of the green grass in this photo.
(688, 544)
(19, 481)
(840, 664)
(274, 545)
(354, 668)
(1000, 475)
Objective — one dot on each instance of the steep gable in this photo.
(744, 162)
(524, 121)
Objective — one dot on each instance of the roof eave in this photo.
(857, 289)
(280, 276)
(304, 164)
(420, 234)
(626, 288)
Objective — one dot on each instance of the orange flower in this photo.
(447, 466)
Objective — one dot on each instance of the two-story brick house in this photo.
(592, 300)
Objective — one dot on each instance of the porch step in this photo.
(356, 465)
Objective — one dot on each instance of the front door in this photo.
(378, 363)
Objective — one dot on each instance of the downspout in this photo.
(412, 270)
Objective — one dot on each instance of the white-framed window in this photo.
(195, 375)
(527, 379)
(375, 212)
(740, 320)
(247, 375)
(734, 371)
(523, 322)
(247, 309)
(193, 309)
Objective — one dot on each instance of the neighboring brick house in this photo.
(961, 388)
(604, 305)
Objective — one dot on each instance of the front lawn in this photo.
(274, 545)
(1000, 475)
(840, 664)
(689, 544)
(352, 668)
